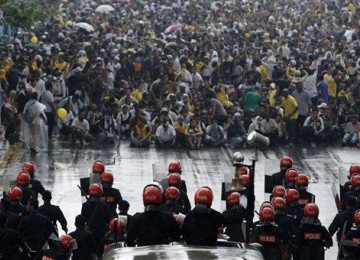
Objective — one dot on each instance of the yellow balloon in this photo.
(61, 112)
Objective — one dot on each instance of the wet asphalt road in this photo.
(60, 168)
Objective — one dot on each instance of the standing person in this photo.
(311, 236)
(293, 207)
(96, 213)
(84, 239)
(313, 128)
(354, 233)
(174, 180)
(171, 205)
(54, 213)
(233, 218)
(47, 99)
(35, 185)
(301, 183)
(11, 241)
(123, 212)
(341, 223)
(278, 178)
(34, 131)
(322, 89)
(12, 220)
(35, 227)
(174, 167)
(111, 196)
(16, 207)
(303, 100)
(152, 226)
(201, 224)
(291, 114)
(267, 233)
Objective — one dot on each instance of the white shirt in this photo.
(40, 87)
(167, 135)
(84, 125)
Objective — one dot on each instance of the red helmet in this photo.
(107, 178)
(311, 210)
(152, 195)
(354, 169)
(266, 213)
(245, 180)
(278, 191)
(174, 179)
(278, 203)
(23, 178)
(292, 195)
(357, 217)
(29, 167)
(286, 161)
(172, 193)
(117, 224)
(290, 175)
(174, 167)
(98, 167)
(66, 241)
(266, 204)
(204, 195)
(15, 193)
(95, 190)
(233, 198)
(355, 180)
(242, 170)
(302, 180)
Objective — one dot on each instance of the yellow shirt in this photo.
(263, 73)
(141, 132)
(289, 104)
(223, 98)
(332, 87)
(180, 128)
(137, 94)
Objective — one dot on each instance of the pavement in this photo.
(61, 167)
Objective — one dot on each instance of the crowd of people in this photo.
(185, 74)
(288, 226)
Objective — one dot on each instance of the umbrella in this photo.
(104, 9)
(172, 29)
(87, 27)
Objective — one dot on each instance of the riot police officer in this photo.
(311, 237)
(201, 224)
(152, 226)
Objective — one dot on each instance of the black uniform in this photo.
(97, 214)
(85, 244)
(232, 220)
(354, 235)
(295, 211)
(128, 218)
(269, 236)
(277, 178)
(310, 239)
(36, 229)
(54, 213)
(17, 208)
(10, 240)
(56, 251)
(306, 197)
(112, 197)
(165, 185)
(341, 223)
(27, 194)
(36, 187)
(172, 206)
(201, 225)
(151, 228)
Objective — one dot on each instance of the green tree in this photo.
(23, 13)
